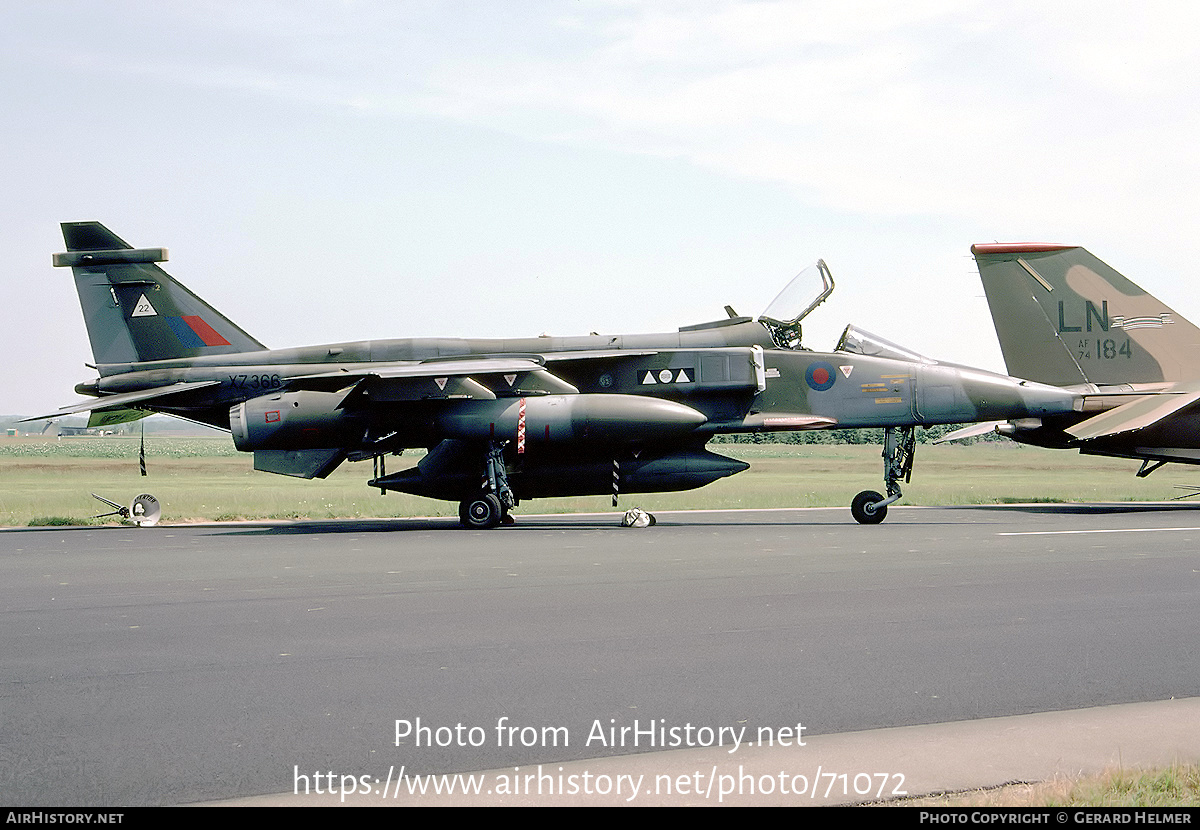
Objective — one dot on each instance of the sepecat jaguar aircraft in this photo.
(507, 420)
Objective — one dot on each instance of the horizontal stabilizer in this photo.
(112, 417)
(123, 400)
(1134, 415)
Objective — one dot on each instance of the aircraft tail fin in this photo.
(1064, 318)
(134, 310)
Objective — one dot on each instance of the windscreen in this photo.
(859, 341)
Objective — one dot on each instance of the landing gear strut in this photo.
(490, 508)
(899, 446)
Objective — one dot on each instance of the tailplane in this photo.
(1065, 318)
(134, 310)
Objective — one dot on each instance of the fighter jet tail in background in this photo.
(1065, 318)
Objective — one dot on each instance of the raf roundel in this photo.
(819, 376)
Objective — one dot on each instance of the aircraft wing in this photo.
(1137, 414)
(125, 399)
(519, 375)
(436, 368)
(597, 354)
(473, 377)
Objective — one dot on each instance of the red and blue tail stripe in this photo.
(194, 333)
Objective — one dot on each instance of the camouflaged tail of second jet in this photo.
(1065, 317)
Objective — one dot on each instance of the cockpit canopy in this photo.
(806, 291)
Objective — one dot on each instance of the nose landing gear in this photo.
(899, 447)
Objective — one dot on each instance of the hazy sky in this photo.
(327, 171)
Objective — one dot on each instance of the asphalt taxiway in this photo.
(188, 663)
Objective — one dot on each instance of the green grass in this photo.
(1173, 787)
(55, 521)
(44, 480)
(1177, 786)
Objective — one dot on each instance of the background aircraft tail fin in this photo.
(1064, 317)
(134, 310)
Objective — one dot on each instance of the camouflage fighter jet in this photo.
(513, 419)
(1066, 318)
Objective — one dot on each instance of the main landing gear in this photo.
(899, 446)
(490, 508)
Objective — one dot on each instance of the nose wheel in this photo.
(864, 509)
(899, 447)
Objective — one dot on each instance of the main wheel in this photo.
(482, 513)
(862, 511)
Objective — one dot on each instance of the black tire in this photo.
(860, 508)
(480, 513)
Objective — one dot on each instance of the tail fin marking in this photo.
(1064, 317)
(134, 310)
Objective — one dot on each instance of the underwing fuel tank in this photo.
(452, 468)
(570, 419)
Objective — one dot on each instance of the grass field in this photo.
(205, 479)
(1170, 787)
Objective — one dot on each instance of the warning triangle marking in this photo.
(143, 308)
(441, 382)
(649, 378)
(846, 370)
(683, 378)
(510, 379)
